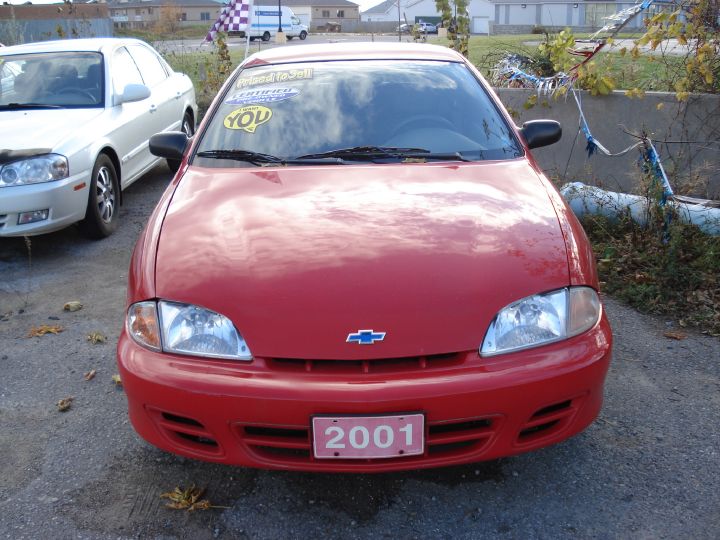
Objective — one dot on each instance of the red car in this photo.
(360, 267)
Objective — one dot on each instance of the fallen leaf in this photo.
(188, 499)
(73, 306)
(117, 380)
(88, 376)
(37, 331)
(674, 334)
(96, 337)
(64, 404)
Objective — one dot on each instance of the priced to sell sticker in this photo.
(248, 118)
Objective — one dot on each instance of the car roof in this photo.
(74, 45)
(353, 51)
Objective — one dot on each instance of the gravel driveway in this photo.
(648, 468)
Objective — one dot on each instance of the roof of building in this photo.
(382, 7)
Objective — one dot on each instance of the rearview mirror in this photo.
(539, 133)
(169, 145)
(133, 92)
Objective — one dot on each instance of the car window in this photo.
(297, 109)
(124, 70)
(151, 68)
(62, 79)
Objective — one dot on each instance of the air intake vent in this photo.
(186, 432)
(547, 421)
(381, 365)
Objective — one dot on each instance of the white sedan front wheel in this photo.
(101, 215)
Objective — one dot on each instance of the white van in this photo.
(264, 23)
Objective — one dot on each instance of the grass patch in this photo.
(669, 270)
(197, 31)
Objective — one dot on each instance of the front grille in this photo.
(186, 432)
(548, 421)
(293, 445)
(381, 365)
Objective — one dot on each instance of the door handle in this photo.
(153, 108)
(178, 95)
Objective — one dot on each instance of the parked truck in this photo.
(264, 23)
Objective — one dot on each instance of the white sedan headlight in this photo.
(185, 329)
(34, 170)
(542, 318)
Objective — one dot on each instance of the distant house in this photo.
(384, 11)
(146, 13)
(512, 16)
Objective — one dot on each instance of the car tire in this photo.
(187, 128)
(101, 215)
(266, 36)
(303, 35)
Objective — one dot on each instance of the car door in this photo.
(166, 93)
(134, 121)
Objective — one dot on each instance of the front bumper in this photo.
(65, 199)
(259, 414)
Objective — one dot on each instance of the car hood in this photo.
(42, 128)
(298, 258)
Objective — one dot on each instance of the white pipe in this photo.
(585, 199)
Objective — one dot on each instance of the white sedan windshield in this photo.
(63, 79)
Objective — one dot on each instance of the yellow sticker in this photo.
(248, 118)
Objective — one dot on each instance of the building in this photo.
(512, 16)
(148, 13)
(28, 23)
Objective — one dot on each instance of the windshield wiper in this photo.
(17, 106)
(373, 153)
(259, 159)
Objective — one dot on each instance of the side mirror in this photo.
(539, 133)
(169, 145)
(133, 92)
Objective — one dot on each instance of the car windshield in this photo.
(350, 111)
(51, 80)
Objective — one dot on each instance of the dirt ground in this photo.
(648, 468)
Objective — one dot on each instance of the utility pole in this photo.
(280, 37)
(399, 24)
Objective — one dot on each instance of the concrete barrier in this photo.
(693, 168)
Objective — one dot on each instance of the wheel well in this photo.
(109, 152)
(189, 112)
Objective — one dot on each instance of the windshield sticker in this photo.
(275, 77)
(248, 118)
(262, 95)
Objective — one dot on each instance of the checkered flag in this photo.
(234, 17)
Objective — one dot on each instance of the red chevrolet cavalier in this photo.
(360, 267)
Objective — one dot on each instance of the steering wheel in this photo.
(78, 92)
(423, 121)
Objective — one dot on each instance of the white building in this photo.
(511, 16)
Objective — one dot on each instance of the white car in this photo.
(75, 120)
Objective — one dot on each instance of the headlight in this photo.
(542, 318)
(185, 329)
(34, 170)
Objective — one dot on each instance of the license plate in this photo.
(368, 437)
